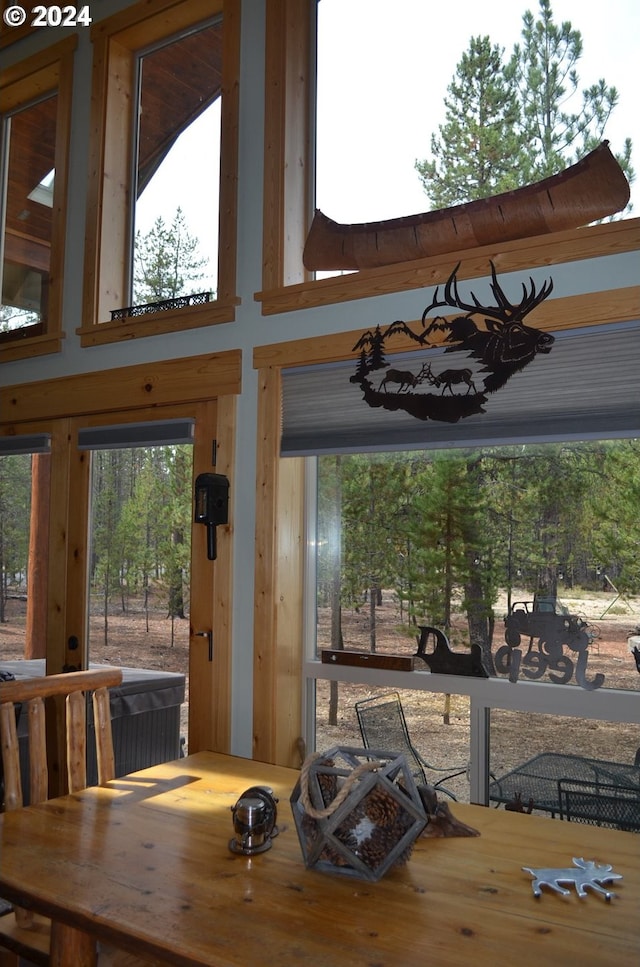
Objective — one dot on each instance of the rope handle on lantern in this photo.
(343, 792)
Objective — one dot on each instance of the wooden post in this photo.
(38, 567)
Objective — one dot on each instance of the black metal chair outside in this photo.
(383, 726)
(600, 804)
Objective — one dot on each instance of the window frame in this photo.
(46, 73)
(117, 41)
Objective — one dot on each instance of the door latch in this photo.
(209, 636)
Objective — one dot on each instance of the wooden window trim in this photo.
(278, 590)
(183, 380)
(49, 71)
(287, 146)
(116, 40)
(611, 238)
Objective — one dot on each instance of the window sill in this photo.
(159, 323)
(610, 238)
(24, 347)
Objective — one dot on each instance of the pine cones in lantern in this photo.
(357, 812)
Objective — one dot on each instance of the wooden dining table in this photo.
(144, 864)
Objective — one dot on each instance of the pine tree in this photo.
(508, 123)
(479, 150)
(544, 66)
(166, 262)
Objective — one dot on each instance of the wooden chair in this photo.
(23, 933)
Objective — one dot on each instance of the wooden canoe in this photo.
(593, 188)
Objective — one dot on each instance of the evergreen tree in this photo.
(166, 261)
(509, 123)
(15, 500)
(614, 531)
(544, 66)
(479, 149)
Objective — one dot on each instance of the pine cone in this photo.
(328, 783)
(381, 807)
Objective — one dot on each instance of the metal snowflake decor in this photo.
(585, 874)
(502, 347)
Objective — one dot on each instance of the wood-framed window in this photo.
(35, 104)
(125, 153)
(290, 134)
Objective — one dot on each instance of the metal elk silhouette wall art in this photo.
(502, 346)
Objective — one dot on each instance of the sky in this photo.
(381, 94)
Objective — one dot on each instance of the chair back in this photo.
(29, 695)
(384, 728)
(600, 804)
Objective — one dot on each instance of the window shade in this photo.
(154, 434)
(27, 443)
(586, 387)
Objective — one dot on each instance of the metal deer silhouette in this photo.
(496, 336)
(507, 345)
(403, 378)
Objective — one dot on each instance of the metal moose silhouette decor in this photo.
(496, 350)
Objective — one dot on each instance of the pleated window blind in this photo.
(586, 387)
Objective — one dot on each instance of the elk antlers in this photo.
(504, 311)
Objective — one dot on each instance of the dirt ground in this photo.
(128, 643)
(514, 736)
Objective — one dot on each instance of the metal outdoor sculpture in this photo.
(497, 349)
(443, 661)
(549, 632)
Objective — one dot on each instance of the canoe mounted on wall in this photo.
(593, 188)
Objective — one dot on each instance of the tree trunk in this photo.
(176, 594)
(480, 617)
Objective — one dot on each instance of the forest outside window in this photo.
(161, 252)
(521, 560)
(34, 119)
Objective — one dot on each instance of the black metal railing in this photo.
(180, 302)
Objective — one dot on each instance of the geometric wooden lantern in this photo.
(357, 812)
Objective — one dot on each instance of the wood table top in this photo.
(144, 863)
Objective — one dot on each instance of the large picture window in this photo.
(175, 219)
(28, 216)
(486, 568)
